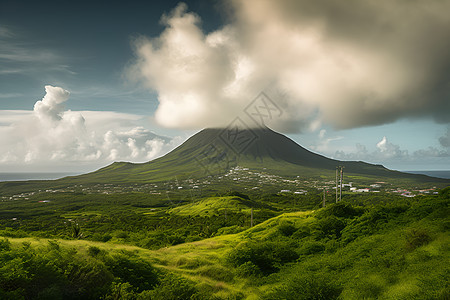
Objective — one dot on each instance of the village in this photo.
(249, 180)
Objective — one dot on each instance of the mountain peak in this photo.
(258, 144)
(214, 151)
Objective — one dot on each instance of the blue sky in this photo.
(354, 80)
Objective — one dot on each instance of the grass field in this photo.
(372, 249)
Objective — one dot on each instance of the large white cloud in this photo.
(392, 155)
(344, 63)
(50, 135)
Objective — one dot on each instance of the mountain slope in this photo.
(215, 151)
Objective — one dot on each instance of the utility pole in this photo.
(337, 170)
(340, 180)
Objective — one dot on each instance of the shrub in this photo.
(94, 251)
(53, 245)
(266, 256)
(87, 278)
(122, 291)
(302, 232)
(171, 287)
(229, 230)
(137, 272)
(247, 269)
(76, 231)
(120, 234)
(430, 206)
(368, 287)
(306, 286)
(101, 237)
(331, 226)
(445, 193)
(287, 229)
(14, 233)
(341, 210)
(417, 237)
(312, 247)
(372, 221)
(5, 245)
(175, 239)
(55, 274)
(238, 194)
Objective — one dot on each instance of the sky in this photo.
(84, 84)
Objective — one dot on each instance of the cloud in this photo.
(392, 154)
(20, 56)
(323, 144)
(9, 95)
(322, 133)
(431, 152)
(385, 152)
(188, 69)
(50, 107)
(445, 139)
(344, 63)
(388, 150)
(52, 135)
(361, 154)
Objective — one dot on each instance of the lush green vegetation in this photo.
(175, 228)
(54, 271)
(133, 218)
(137, 246)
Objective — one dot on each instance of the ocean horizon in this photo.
(438, 174)
(23, 176)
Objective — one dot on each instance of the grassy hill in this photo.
(397, 249)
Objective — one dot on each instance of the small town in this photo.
(250, 181)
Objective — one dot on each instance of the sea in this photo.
(19, 176)
(439, 174)
(50, 176)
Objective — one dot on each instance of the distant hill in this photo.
(215, 151)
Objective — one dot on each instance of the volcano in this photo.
(214, 151)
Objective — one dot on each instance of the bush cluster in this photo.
(58, 272)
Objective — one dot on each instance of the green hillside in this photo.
(227, 216)
(211, 153)
(214, 151)
(398, 248)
